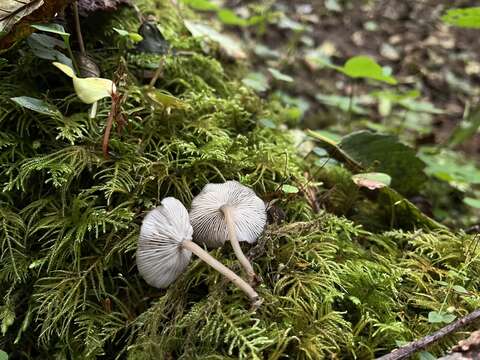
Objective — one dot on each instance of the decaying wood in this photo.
(44, 13)
(406, 351)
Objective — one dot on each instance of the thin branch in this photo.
(78, 29)
(409, 349)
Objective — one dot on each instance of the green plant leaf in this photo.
(425, 355)
(372, 181)
(202, 5)
(475, 203)
(228, 17)
(467, 128)
(289, 189)
(460, 289)
(257, 81)
(384, 153)
(465, 18)
(279, 75)
(52, 28)
(135, 37)
(36, 105)
(231, 46)
(3, 355)
(43, 47)
(366, 68)
(440, 317)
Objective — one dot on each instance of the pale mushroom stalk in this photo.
(232, 236)
(229, 274)
(165, 247)
(228, 212)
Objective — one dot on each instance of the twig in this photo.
(408, 350)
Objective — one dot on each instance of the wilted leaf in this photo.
(372, 181)
(37, 105)
(279, 75)
(386, 154)
(89, 90)
(13, 11)
(366, 68)
(232, 47)
(466, 18)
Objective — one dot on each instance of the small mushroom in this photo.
(228, 211)
(165, 247)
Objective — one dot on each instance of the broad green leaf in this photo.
(230, 18)
(279, 75)
(465, 18)
(267, 123)
(52, 28)
(475, 203)
(467, 128)
(231, 46)
(425, 355)
(165, 99)
(372, 181)
(3, 355)
(440, 317)
(451, 167)
(89, 90)
(366, 68)
(344, 103)
(257, 81)
(460, 289)
(384, 153)
(43, 46)
(289, 189)
(135, 37)
(37, 105)
(203, 5)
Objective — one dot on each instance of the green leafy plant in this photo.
(465, 18)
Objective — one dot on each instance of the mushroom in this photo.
(165, 247)
(228, 211)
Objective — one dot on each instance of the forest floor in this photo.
(442, 62)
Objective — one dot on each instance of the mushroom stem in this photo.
(232, 236)
(229, 274)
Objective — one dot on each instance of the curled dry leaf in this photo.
(372, 181)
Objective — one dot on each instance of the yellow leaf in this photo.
(91, 89)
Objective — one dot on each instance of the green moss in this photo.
(70, 220)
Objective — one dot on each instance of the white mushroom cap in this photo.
(208, 221)
(160, 256)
